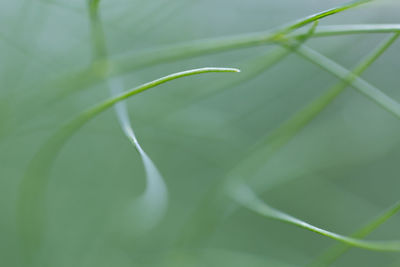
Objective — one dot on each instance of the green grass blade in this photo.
(150, 207)
(31, 201)
(337, 250)
(222, 44)
(127, 63)
(243, 195)
(286, 131)
(260, 153)
(152, 204)
(197, 48)
(323, 14)
(359, 84)
(257, 66)
(152, 57)
(335, 30)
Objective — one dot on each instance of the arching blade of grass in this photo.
(126, 63)
(152, 204)
(334, 30)
(322, 14)
(243, 195)
(359, 84)
(152, 57)
(130, 62)
(256, 67)
(286, 131)
(31, 202)
(223, 44)
(337, 250)
(260, 153)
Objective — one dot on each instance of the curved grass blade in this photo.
(260, 153)
(243, 195)
(125, 63)
(153, 203)
(286, 131)
(222, 44)
(130, 62)
(257, 66)
(359, 84)
(334, 30)
(337, 250)
(31, 200)
(323, 14)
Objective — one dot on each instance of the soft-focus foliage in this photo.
(338, 172)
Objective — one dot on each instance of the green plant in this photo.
(104, 69)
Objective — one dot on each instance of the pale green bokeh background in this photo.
(337, 173)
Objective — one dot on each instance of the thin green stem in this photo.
(357, 83)
(335, 30)
(243, 195)
(130, 62)
(323, 14)
(332, 254)
(126, 62)
(97, 32)
(263, 150)
(31, 202)
(286, 131)
(257, 66)
(153, 202)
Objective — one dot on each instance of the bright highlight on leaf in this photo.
(31, 202)
(246, 197)
(152, 204)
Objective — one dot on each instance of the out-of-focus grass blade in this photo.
(152, 204)
(126, 63)
(150, 207)
(259, 154)
(31, 201)
(284, 133)
(359, 84)
(337, 250)
(246, 197)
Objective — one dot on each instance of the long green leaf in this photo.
(337, 250)
(31, 201)
(246, 197)
(126, 63)
(359, 84)
(286, 131)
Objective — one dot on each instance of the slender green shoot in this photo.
(323, 14)
(351, 29)
(260, 153)
(339, 249)
(223, 44)
(152, 204)
(31, 201)
(243, 195)
(257, 66)
(126, 63)
(129, 62)
(286, 131)
(359, 84)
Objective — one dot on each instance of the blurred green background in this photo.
(339, 172)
